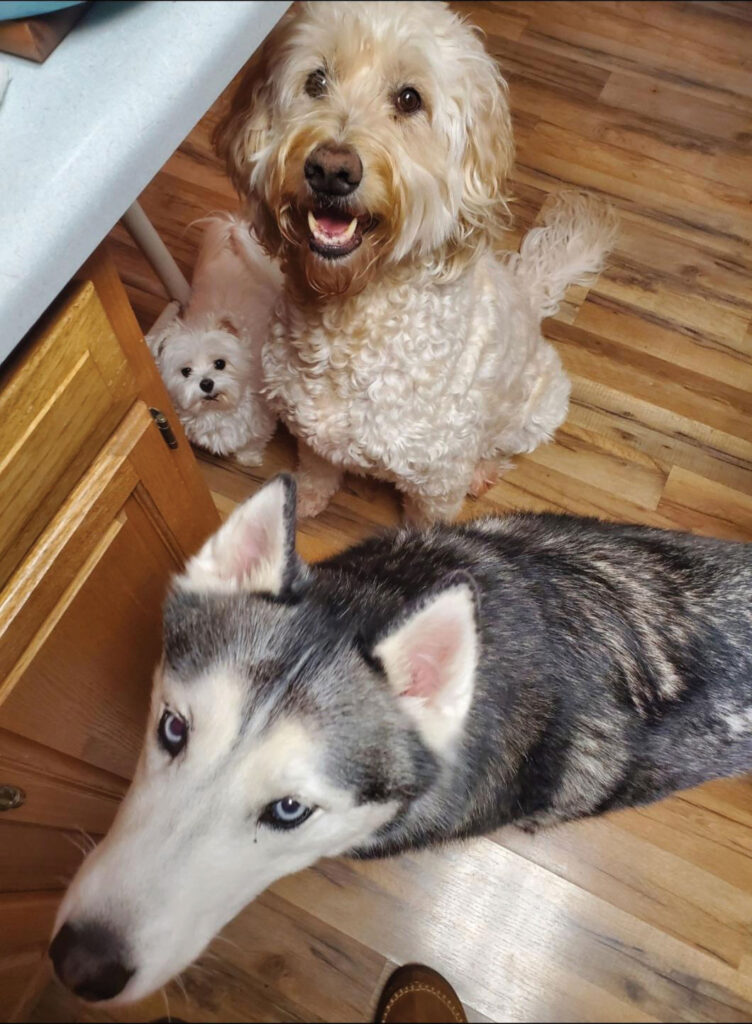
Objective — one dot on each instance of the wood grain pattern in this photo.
(98, 513)
(84, 690)
(72, 387)
(641, 915)
(59, 790)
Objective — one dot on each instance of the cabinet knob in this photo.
(11, 797)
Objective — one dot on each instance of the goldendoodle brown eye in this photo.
(316, 83)
(408, 101)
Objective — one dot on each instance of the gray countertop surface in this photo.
(84, 132)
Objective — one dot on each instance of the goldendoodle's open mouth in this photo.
(335, 233)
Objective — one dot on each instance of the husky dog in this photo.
(418, 688)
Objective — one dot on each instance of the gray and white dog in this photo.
(418, 688)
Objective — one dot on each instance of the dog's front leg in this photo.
(317, 481)
(422, 510)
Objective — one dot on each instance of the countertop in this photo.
(84, 132)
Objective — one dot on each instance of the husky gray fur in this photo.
(418, 688)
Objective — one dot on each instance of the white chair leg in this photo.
(145, 236)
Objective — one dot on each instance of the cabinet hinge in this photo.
(164, 428)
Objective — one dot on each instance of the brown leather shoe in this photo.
(415, 994)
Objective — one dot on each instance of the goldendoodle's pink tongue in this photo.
(332, 230)
(333, 224)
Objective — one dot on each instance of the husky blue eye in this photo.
(285, 813)
(172, 732)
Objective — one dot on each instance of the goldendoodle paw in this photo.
(486, 475)
(249, 457)
(311, 499)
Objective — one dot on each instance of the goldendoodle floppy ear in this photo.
(244, 129)
(489, 152)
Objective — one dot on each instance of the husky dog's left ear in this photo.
(255, 549)
(430, 656)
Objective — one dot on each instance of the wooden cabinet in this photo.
(96, 513)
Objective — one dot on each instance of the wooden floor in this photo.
(641, 915)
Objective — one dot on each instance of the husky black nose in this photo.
(206, 385)
(333, 170)
(88, 960)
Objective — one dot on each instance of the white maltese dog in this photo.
(372, 142)
(210, 355)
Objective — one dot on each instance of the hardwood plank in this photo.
(669, 105)
(690, 395)
(650, 332)
(702, 155)
(619, 860)
(689, 499)
(460, 910)
(617, 43)
(652, 185)
(495, 20)
(683, 20)
(520, 61)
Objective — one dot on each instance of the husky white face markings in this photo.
(192, 843)
(430, 661)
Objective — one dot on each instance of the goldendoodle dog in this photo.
(373, 143)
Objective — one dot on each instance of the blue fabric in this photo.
(28, 8)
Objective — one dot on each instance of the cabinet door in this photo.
(79, 637)
(60, 399)
(82, 622)
(80, 618)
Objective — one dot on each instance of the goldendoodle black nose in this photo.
(88, 960)
(333, 170)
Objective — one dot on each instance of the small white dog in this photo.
(210, 355)
(373, 142)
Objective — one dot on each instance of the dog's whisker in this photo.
(229, 942)
(88, 838)
(74, 841)
(178, 980)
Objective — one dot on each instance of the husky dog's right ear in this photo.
(430, 655)
(255, 549)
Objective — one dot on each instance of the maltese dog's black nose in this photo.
(206, 385)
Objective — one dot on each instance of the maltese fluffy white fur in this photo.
(210, 355)
(372, 142)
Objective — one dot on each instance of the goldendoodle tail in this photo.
(575, 235)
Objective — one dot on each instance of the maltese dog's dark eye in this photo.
(172, 732)
(186, 371)
(285, 813)
(316, 83)
(408, 101)
(219, 364)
